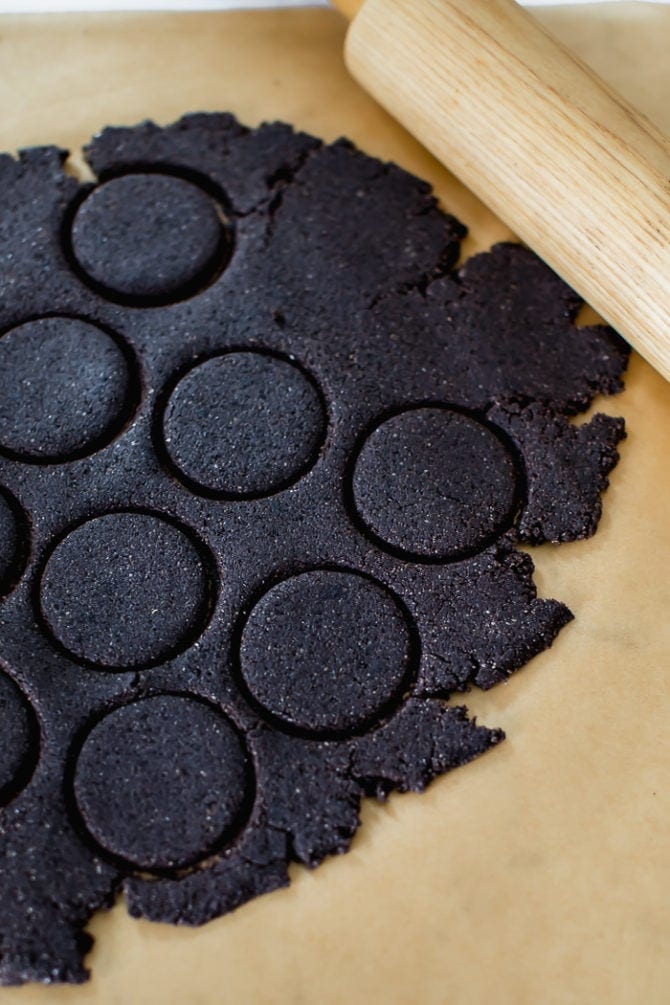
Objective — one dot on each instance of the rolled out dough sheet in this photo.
(540, 873)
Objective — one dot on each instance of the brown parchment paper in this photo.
(540, 873)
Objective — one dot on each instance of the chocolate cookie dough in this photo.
(243, 424)
(326, 652)
(125, 589)
(19, 740)
(148, 237)
(13, 541)
(432, 483)
(151, 796)
(66, 389)
(266, 456)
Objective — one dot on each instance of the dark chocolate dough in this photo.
(266, 456)
(66, 388)
(161, 781)
(124, 590)
(10, 541)
(19, 742)
(326, 651)
(243, 424)
(434, 483)
(147, 236)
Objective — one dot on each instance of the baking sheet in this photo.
(538, 874)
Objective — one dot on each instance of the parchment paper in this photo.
(540, 873)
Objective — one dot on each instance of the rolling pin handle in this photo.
(573, 169)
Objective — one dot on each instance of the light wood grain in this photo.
(581, 176)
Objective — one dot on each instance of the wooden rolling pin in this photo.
(575, 171)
